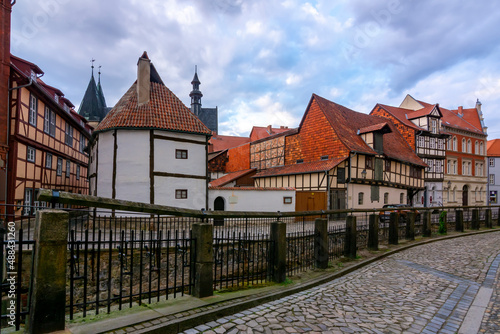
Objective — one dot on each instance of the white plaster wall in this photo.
(355, 189)
(165, 160)
(165, 192)
(253, 200)
(105, 164)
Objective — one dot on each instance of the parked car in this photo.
(402, 209)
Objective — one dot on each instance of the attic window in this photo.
(56, 97)
(33, 75)
(66, 108)
(299, 161)
(324, 157)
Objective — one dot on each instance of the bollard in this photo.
(278, 237)
(475, 219)
(350, 246)
(393, 228)
(487, 219)
(459, 221)
(204, 258)
(321, 243)
(373, 232)
(427, 227)
(410, 226)
(48, 291)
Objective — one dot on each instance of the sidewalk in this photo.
(176, 315)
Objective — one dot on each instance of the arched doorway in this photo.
(465, 196)
(219, 206)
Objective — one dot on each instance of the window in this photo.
(469, 146)
(476, 147)
(401, 198)
(437, 166)
(448, 166)
(455, 144)
(299, 161)
(30, 154)
(432, 143)
(46, 121)
(181, 193)
(493, 197)
(449, 145)
(181, 154)
(492, 178)
(386, 198)
(360, 198)
(287, 200)
(455, 167)
(481, 148)
(434, 126)
(464, 168)
(440, 143)
(59, 166)
(68, 168)
(464, 146)
(33, 108)
(52, 130)
(69, 135)
(421, 141)
(48, 161)
(492, 162)
(324, 157)
(479, 169)
(369, 163)
(28, 196)
(430, 163)
(387, 165)
(78, 172)
(82, 142)
(56, 98)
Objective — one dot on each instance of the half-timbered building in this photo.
(339, 158)
(47, 139)
(150, 147)
(420, 125)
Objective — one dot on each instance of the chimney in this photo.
(460, 110)
(269, 129)
(478, 106)
(143, 79)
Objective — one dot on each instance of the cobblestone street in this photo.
(441, 287)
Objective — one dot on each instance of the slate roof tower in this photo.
(93, 106)
(209, 116)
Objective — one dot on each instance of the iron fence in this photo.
(300, 252)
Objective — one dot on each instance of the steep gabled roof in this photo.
(493, 148)
(346, 123)
(221, 142)
(260, 132)
(163, 111)
(303, 168)
(400, 114)
(92, 107)
(452, 119)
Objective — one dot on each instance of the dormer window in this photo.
(33, 75)
(434, 127)
(324, 157)
(299, 161)
(65, 107)
(56, 97)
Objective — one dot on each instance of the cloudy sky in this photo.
(259, 61)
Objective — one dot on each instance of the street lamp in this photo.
(363, 173)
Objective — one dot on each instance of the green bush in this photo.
(442, 222)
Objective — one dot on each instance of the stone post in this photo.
(459, 220)
(427, 227)
(475, 224)
(410, 226)
(498, 217)
(203, 279)
(393, 228)
(488, 218)
(350, 246)
(48, 291)
(278, 237)
(321, 243)
(373, 232)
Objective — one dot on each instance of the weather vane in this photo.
(92, 61)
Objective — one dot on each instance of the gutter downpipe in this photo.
(349, 179)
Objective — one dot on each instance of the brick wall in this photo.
(407, 132)
(239, 158)
(460, 156)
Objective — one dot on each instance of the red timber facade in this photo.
(339, 158)
(5, 13)
(47, 139)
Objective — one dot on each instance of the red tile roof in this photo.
(400, 114)
(346, 123)
(164, 111)
(493, 148)
(220, 143)
(372, 128)
(230, 177)
(259, 132)
(453, 120)
(303, 168)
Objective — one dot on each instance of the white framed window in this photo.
(30, 154)
(59, 166)
(455, 168)
(421, 142)
(28, 197)
(49, 122)
(481, 148)
(432, 143)
(464, 146)
(476, 147)
(361, 198)
(491, 162)
(69, 135)
(455, 144)
(430, 163)
(492, 179)
(449, 144)
(464, 168)
(440, 143)
(48, 161)
(437, 166)
(56, 98)
(68, 168)
(287, 200)
(33, 109)
(469, 146)
(78, 172)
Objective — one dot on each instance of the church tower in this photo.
(93, 106)
(196, 94)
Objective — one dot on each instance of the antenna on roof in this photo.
(92, 61)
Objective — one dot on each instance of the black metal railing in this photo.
(300, 252)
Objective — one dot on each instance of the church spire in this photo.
(196, 94)
(93, 105)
